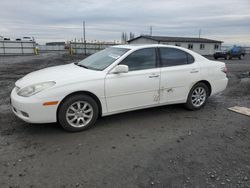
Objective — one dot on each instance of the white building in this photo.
(200, 45)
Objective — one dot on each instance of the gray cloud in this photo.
(55, 20)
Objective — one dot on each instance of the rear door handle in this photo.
(153, 76)
(194, 71)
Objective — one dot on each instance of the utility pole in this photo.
(84, 39)
(199, 33)
(151, 30)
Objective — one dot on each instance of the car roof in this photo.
(140, 46)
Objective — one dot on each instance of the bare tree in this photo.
(125, 37)
(131, 35)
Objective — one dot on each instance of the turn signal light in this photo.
(50, 103)
(224, 69)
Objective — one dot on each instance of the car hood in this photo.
(221, 51)
(61, 74)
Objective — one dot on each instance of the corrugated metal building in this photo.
(200, 45)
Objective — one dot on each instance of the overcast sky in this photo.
(60, 20)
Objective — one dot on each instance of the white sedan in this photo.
(118, 79)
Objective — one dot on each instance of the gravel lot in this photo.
(158, 147)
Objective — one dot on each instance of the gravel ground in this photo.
(158, 147)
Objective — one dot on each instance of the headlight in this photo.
(33, 89)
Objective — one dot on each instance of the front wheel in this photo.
(197, 97)
(78, 112)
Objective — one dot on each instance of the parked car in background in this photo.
(28, 39)
(234, 52)
(118, 79)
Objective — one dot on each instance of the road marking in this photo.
(241, 110)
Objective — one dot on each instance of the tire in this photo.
(191, 103)
(77, 113)
(215, 57)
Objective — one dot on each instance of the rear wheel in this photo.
(197, 96)
(78, 112)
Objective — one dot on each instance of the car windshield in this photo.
(227, 49)
(102, 59)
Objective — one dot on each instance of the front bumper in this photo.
(31, 109)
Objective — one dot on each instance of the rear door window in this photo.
(174, 57)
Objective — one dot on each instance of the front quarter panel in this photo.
(38, 113)
(59, 92)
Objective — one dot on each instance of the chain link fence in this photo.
(17, 47)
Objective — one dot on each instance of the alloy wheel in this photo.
(198, 96)
(79, 114)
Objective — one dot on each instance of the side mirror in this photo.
(120, 69)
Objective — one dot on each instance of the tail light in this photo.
(224, 69)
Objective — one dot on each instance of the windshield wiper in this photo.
(82, 66)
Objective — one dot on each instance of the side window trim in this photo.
(158, 57)
(193, 59)
(160, 60)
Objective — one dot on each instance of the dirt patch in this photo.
(159, 147)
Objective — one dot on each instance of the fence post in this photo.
(22, 47)
(85, 47)
(3, 48)
(34, 47)
(75, 47)
(71, 50)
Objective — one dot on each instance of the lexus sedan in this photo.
(118, 79)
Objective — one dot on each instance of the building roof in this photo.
(176, 39)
